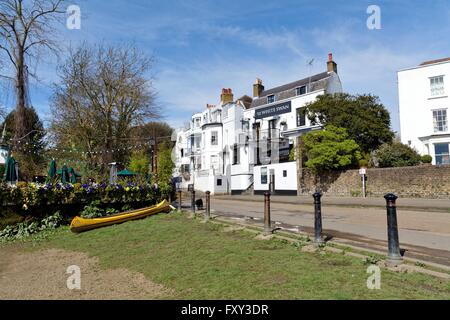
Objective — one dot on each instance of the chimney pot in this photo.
(331, 65)
(226, 96)
(258, 88)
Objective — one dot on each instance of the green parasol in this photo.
(52, 170)
(126, 173)
(64, 174)
(72, 175)
(10, 170)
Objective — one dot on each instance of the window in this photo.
(182, 153)
(214, 136)
(219, 182)
(215, 162)
(301, 117)
(284, 173)
(300, 90)
(197, 122)
(264, 175)
(440, 120)
(441, 153)
(271, 98)
(236, 155)
(245, 126)
(437, 86)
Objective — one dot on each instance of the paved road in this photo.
(415, 204)
(426, 230)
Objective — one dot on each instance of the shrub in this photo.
(94, 210)
(395, 154)
(363, 163)
(31, 195)
(24, 230)
(426, 159)
(331, 149)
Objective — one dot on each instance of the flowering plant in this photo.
(29, 195)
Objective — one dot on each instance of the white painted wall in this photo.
(281, 183)
(416, 106)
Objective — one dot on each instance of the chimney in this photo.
(258, 88)
(331, 65)
(226, 96)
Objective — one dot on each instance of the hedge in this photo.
(27, 196)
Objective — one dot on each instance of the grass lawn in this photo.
(200, 261)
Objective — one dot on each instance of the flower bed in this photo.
(27, 196)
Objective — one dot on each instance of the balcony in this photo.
(264, 135)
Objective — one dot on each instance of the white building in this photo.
(241, 145)
(279, 114)
(424, 103)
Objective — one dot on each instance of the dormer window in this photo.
(271, 98)
(300, 91)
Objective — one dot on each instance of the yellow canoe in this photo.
(80, 224)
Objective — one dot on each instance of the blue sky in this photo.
(203, 46)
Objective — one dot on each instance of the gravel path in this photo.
(42, 275)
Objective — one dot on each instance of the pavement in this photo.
(437, 205)
(424, 226)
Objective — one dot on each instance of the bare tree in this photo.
(26, 28)
(102, 94)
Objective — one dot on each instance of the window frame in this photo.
(236, 155)
(298, 90)
(264, 177)
(215, 141)
(440, 120)
(435, 90)
(301, 109)
(442, 155)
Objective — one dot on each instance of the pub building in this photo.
(243, 146)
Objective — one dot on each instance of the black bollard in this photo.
(179, 200)
(317, 218)
(208, 206)
(267, 223)
(193, 201)
(394, 257)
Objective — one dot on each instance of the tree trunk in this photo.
(21, 97)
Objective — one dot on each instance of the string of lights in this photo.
(26, 149)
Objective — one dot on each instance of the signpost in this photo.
(362, 173)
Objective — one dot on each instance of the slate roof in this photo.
(434, 61)
(318, 82)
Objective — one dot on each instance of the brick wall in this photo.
(425, 181)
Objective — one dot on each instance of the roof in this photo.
(318, 81)
(434, 61)
(246, 101)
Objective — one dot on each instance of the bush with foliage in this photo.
(28, 195)
(330, 149)
(26, 229)
(165, 171)
(139, 163)
(395, 154)
(94, 210)
(426, 159)
(366, 120)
